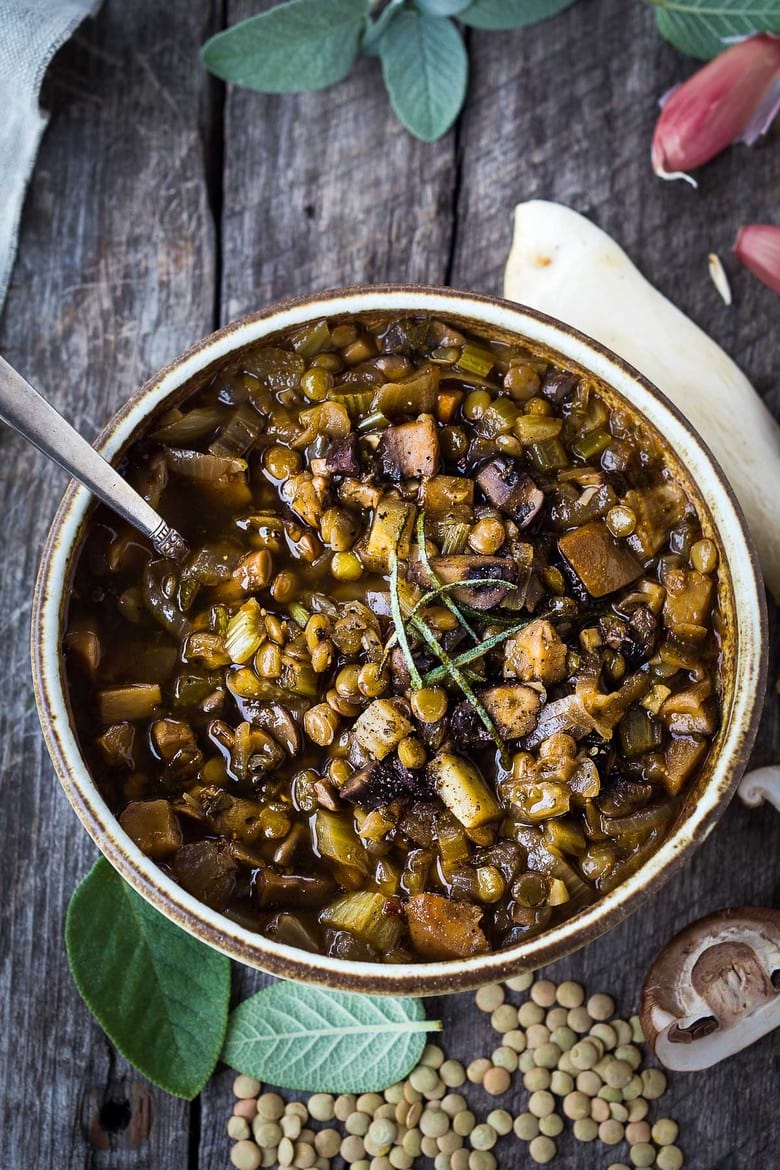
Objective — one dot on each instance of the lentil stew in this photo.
(441, 664)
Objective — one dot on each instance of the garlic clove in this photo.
(758, 247)
(559, 257)
(733, 98)
(714, 989)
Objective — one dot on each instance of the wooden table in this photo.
(162, 207)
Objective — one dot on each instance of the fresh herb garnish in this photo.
(307, 44)
(440, 672)
(434, 580)
(159, 994)
(301, 1037)
(400, 626)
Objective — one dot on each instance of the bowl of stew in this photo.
(465, 659)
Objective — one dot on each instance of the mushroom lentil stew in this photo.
(441, 663)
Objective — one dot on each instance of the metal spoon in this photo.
(23, 408)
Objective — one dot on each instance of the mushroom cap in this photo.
(760, 785)
(714, 989)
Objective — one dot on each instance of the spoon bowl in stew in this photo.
(467, 659)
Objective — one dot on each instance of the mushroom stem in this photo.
(760, 786)
(714, 989)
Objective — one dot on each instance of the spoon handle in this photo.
(23, 408)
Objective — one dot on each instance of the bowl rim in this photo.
(750, 665)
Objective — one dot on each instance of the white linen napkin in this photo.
(31, 31)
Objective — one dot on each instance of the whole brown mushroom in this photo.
(714, 989)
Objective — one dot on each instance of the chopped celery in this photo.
(312, 339)
(381, 727)
(357, 402)
(245, 632)
(391, 530)
(535, 428)
(334, 837)
(129, 702)
(548, 455)
(365, 915)
(638, 732)
(299, 613)
(455, 539)
(592, 444)
(463, 790)
(475, 359)
(376, 421)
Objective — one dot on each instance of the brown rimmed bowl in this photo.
(741, 598)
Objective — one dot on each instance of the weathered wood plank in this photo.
(327, 189)
(115, 275)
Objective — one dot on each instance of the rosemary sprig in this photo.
(462, 682)
(440, 672)
(400, 627)
(426, 564)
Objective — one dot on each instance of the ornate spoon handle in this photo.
(23, 408)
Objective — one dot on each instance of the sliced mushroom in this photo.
(714, 989)
(760, 786)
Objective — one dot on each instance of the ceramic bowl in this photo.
(743, 666)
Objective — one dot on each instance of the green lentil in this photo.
(504, 1018)
(483, 1137)
(618, 1110)
(433, 1056)
(245, 1156)
(561, 1083)
(504, 1057)
(556, 1018)
(565, 1064)
(618, 1166)
(452, 1104)
(526, 1062)
(642, 1154)
(453, 1074)
(399, 1159)
(529, 1013)
(565, 1037)
(599, 1110)
(244, 1087)
(490, 997)
(304, 1155)
(547, 1055)
(526, 1126)
(669, 1158)
(665, 1131)
(482, 1160)
(414, 1114)
(449, 1142)
(238, 1129)
(570, 994)
(623, 1030)
(606, 1034)
(551, 1125)
(520, 982)
(630, 1054)
(618, 1073)
(343, 1105)
(585, 1129)
(500, 1120)
(589, 1082)
(440, 1162)
(369, 1102)
(424, 1078)
(542, 1150)
(327, 1143)
(579, 1021)
(610, 1132)
(653, 1083)
(357, 1123)
(537, 1080)
(464, 1122)
(434, 1123)
(270, 1107)
(411, 1143)
(536, 1035)
(429, 1147)
(320, 1106)
(460, 1160)
(637, 1031)
(633, 1089)
(515, 1040)
(601, 1007)
(496, 1081)
(393, 1093)
(543, 992)
(291, 1126)
(541, 1103)
(637, 1132)
(607, 1093)
(267, 1134)
(576, 1106)
(286, 1151)
(584, 1055)
(381, 1133)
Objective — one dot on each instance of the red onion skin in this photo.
(758, 247)
(734, 97)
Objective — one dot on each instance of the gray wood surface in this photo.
(160, 209)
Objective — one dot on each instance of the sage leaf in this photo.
(299, 45)
(425, 67)
(443, 7)
(320, 1041)
(704, 28)
(160, 996)
(499, 14)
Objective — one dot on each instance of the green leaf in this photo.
(160, 996)
(704, 28)
(300, 45)
(320, 1041)
(498, 14)
(425, 68)
(442, 7)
